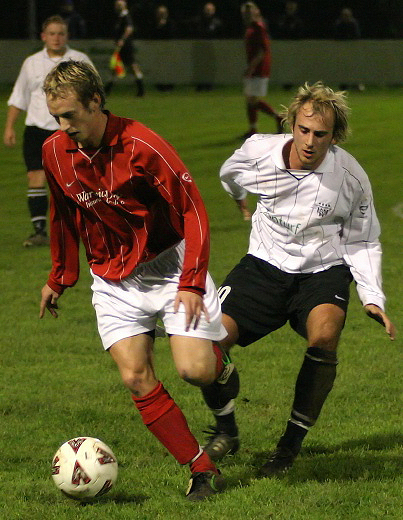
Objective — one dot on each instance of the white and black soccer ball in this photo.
(84, 468)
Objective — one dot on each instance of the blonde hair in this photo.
(78, 76)
(322, 98)
(247, 6)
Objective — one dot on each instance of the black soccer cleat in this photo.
(204, 484)
(36, 239)
(220, 444)
(280, 461)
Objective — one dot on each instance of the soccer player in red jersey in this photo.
(258, 56)
(124, 191)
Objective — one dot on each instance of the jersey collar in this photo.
(112, 130)
(326, 166)
(46, 55)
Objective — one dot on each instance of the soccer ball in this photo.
(84, 468)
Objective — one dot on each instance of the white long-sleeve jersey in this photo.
(308, 221)
(27, 92)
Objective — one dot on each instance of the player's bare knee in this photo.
(135, 381)
(197, 375)
(325, 341)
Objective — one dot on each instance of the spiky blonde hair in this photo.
(322, 98)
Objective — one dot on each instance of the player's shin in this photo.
(165, 420)
(314, 382)
(219, 397)
(220, 394)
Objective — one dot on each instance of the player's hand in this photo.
(9, 137)
(194, 307)
(49, 301)
(378, 315)
(243, 208)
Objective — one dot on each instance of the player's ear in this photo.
(95, 102)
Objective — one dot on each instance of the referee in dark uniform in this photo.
(123, 36)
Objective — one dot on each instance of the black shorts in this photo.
(262, 298)
(128, 54)
(33, 140)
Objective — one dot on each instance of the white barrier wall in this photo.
(222, 62)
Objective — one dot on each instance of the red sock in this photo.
(165, 420)
(252, 114)
(203, 463)
(266, 108)
(219, 363)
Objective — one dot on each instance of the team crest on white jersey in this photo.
(322, 208)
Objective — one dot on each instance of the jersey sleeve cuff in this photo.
(56, 287)
(196, 290)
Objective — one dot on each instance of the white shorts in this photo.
(255, 86)
(133, 306)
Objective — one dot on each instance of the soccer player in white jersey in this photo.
(28, 96)
(313, 232)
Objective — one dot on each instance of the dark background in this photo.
(378, 19)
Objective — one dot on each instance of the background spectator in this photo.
(76, 24)
(346, 27)
(163, 27)
(207, 24)
(290, 25)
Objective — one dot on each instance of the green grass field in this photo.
(56, 381)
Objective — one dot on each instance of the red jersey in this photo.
(257, 39)
(128, 200)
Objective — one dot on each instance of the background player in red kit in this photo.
(125, 192)
(257, 74)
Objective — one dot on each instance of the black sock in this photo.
(108, 87)
(292, 437)
(227, 424)
(314, 382)
(38, 207)
(140, 87)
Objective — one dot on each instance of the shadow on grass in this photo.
(353, 460)
(372, 443)
(117, 498)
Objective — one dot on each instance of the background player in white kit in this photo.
(27, 95)
(314, 231)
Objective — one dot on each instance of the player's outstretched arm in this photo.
(48, 301)
(377, 314)
(194, 307)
